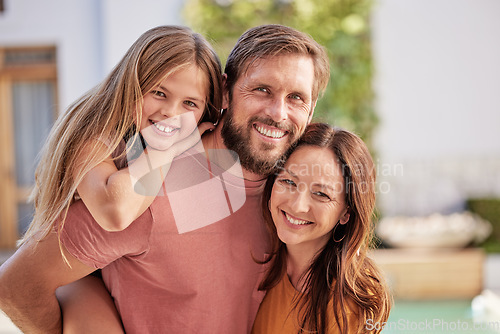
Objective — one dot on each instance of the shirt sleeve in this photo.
(86, 240)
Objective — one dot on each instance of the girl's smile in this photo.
(164, 129)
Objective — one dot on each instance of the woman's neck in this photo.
(298, 261)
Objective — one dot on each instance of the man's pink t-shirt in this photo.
(186, 265)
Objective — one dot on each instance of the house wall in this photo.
(437, 83)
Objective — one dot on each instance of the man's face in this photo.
(270, 108)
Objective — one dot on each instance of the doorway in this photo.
(28, 95)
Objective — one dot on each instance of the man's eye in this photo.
(262, 89)
(158, 93)
(295, 97)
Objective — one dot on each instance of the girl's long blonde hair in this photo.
(110, 111)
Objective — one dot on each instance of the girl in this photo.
(318, 209)
(167, 82)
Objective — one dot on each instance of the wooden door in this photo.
(28, 89)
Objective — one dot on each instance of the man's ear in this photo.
(309, 119)
(225, 92)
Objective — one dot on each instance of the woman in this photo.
(319, 209)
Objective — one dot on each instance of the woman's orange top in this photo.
(275, 315)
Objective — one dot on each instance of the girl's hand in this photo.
(146, 182)
(193, 139)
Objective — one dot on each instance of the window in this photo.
(28, 91)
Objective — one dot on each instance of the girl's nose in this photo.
(172, 110)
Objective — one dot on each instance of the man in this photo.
(199, 278)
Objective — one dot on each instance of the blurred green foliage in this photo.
(342, 26)
(488, 209)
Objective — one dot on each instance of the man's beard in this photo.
(237, 138)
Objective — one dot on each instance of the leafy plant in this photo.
(488, 209)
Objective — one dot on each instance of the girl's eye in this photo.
(190, 104)
(158, 93)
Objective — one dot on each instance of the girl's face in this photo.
(172, 110)
(308, 198)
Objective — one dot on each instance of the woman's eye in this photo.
(262, 89)
(322, 196)
(286, 182)
(295, 97)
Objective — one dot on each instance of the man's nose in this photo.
(277, 110)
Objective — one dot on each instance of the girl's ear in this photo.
(345, 216)
(225, 92)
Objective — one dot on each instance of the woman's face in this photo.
(172, 110)
(308, 198)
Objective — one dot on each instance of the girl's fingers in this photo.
(191, 140)
(202, 127)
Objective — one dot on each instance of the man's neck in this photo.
(213, 140)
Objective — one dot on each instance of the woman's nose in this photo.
(301, 200)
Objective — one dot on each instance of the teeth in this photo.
(296, 221)
(166, 129)
(270, 133)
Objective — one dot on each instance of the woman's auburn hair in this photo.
(341, 272)
(110, 111)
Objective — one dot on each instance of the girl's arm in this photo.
(110, 194)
